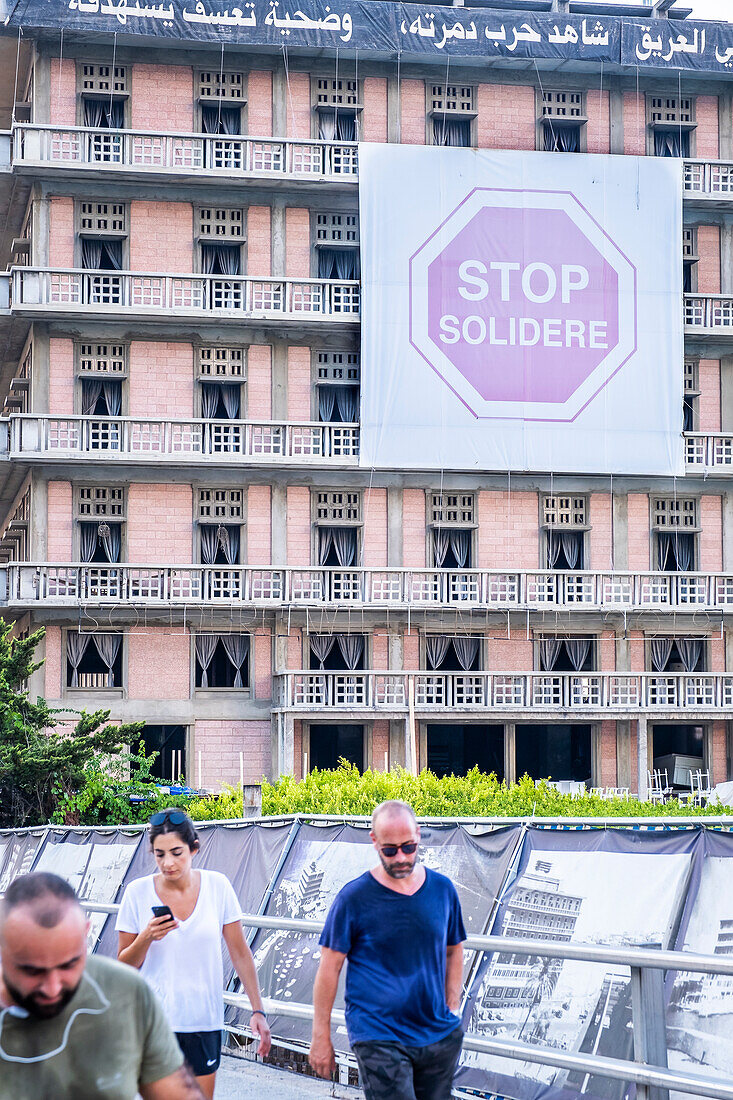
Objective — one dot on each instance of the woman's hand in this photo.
(259, 1026)
(158, 928)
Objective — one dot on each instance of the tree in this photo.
(41, 766)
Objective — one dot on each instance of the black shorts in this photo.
(201, 1049)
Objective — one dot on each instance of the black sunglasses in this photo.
(176, 817)
(390, 850)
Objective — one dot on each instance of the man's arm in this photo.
(180, 1085)
(244, 965)
(322, 1057)
(454, 976)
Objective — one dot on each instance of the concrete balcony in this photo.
(588, 695)
(708, 180)
(709, 315)
(70, 292)
(709, 453)
(145, 155)
(75, 584)
(125, 439)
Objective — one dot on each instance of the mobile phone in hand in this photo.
(163, 911)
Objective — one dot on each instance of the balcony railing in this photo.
(708, 178)
(709, 312)
(709, 452)
(583, 693)
(143, 151)
(122, 438)
(176, 296)
(67, 584)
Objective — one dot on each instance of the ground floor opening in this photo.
(455, 749)
(554, 751)
(169, 742)
(677, 748)
(330, 744)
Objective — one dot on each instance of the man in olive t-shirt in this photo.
(72, 1026)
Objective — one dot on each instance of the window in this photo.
(102, 241)
(691, 396)
(689, 260)
(337, 386)
(337, 245)
(221, 97)
(100, 515)
(220, 223)
(674, 533)
(337, 506)
(220, 233)
(103, 80)
(562, 121)
(221, 362)
(337, 652)
(565, 654)
(452, 508)
(104, 359)
(451, 111)
(103, 217)
(337, 106)
(103, 106)
(671, 121)
(222, 661)
(564, 520)
(222, 505)
(450, 530)
(337, 523)
(220, 516)
(99, 501)
(676, 654)
(93, 661)
(444, 653)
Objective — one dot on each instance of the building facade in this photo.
(182, 505)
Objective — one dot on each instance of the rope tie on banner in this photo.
(290, 90)
(114, 62)
(221, 83)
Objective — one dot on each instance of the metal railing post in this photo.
(648, 1017)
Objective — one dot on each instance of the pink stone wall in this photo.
(411, 650)
(221, 742)
(259, 382)
(711, 534)
(262, 642)
(259, 238)
(717, 653)
(61, 232)
(380, 747)
(59, 521)
(161, 379)
(709, 399)
(637, 651)
(61, 377)
(297, 656)
(514, 653)
(378, 650)
(606, 765)
(598, 126)
(375, 528)
(508, 535)
(635, 123)
(63, 92)
(606, 651)
(706, 135)
(414, 538)
(639, 536)
(161, 236)
(299, 383)
(412, 112)
(299, 526)
(601, 531)
(374, 115)
(297, 243)
(159, 524)
(53, 667)
(162, 97)
(259, 523)
(259, 104)
(708, 265)
(506, 116)
(299, 106)
(719, 754)
(159, 662)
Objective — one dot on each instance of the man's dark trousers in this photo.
(394, 1071)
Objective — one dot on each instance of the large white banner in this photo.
(521, 311)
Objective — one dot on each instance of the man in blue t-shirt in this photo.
(400, 927)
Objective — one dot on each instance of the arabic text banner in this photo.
(521, 311)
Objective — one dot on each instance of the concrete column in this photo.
(279, 103)
(726, 393)
(510, 752)
(395, 652)
(616, 113)
(394, 528)
(38, 535)
(37, 679)
(624, 767)
(280, 655)
(278, 238)
(279, 524)
(623, 655)
(287, 753)
(40, 229)
(620, 504)
(394, 126)
(726, 258)
(40, 395)
(397, 742)
(642, 756)
(42, 87)
(725, 125)
(279, 380)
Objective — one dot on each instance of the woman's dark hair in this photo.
(174, 820)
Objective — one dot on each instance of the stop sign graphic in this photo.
(523, 304)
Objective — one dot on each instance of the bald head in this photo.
(392, 810)
(44, 898)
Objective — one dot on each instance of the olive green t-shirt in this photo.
(111, 1037)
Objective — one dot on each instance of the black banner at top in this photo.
(397, 29)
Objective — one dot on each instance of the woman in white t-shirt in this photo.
(180, 956)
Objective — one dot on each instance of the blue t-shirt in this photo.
(396, 948)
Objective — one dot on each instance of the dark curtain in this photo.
(98, 254)
(216, 119)
(561, 137)
(671, 143)
(452, 131)
(104, 114)
(221, 259)
(338, 263)
(337, 126)
(676, 551)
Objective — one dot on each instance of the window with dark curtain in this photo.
(335, 125)
(221, 259)
(217, 119)
(222, 660)
(338, 404)
(104, 114)
(338, 263)
(675, 551)
(687, 278)
(688, 413)
(560, 137)
(565, 549)
(452, 131)
(671, 143)
(101, 254)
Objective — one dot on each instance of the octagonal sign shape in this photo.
(523, 304)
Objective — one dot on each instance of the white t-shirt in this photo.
(185, 968)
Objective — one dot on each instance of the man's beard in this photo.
(399, 870)
(39, 1009)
